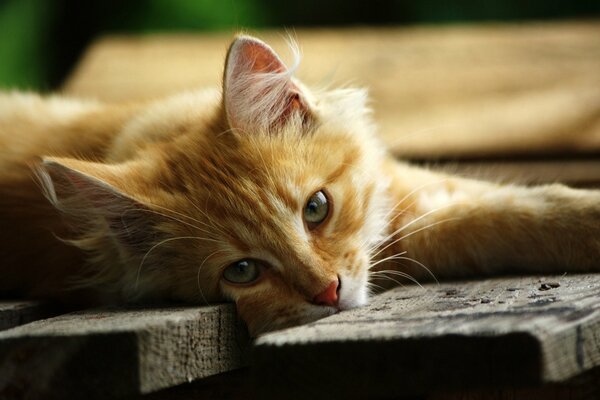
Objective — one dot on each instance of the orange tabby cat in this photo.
(266, 194)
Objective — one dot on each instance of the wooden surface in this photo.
(495, 333)
(504, 338)
(18, 312)
(118, 353)
(438, 92)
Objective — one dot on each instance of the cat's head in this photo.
(274, 201)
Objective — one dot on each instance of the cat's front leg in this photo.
(458, 227)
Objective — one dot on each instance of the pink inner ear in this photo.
(259, 93)
(260, 58)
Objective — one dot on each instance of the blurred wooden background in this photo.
(474, 93)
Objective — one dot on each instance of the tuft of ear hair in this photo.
(259, 92)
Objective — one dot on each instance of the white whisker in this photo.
(178, 220)
(387, 259)
(213, 224)
(398, 273)
(412, 221)
(414, 191)
(403, 227)
(416, 231)
(180, 214)
(137, 279)
(371, 286)
(198, 273)
(421, 265)
(389, 279)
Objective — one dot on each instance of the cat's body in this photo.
(272, 197)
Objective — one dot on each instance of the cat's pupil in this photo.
(241, 267)
(242, 272)
(316, 209)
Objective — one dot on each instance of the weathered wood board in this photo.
(460, 337)
(19, 312)
(116, 353)
(494, 333)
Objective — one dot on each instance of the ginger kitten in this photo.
(280, 199)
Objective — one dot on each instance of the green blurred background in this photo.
(42, 39)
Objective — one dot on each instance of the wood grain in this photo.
(495, 333)
(118, 353)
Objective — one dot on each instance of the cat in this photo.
(279, 198)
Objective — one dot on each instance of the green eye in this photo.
(316, 209)
(242, 272)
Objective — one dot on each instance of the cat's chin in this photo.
(353, 294)
(349, 302)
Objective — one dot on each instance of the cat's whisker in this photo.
(408, 195)
(412, 221)
(389, 278)
(403, 227)
(177, 213)
(416, 231)
(198, 273)
(178, 220)
(187, 216)
(371, 286)
(422, 266)
(384, 273)
(387, 259)
(213, 224)
(139, 271)
(402, 256)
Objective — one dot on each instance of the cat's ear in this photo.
(86, 193)
(259, 93)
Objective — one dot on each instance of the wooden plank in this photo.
(495, 333)
(577, 173)
(444, 91)
(118, 352)
(18, 312)
(233, 385)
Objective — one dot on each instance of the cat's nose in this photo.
(329, 296)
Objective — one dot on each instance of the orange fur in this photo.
(110, 203)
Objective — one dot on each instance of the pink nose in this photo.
(329, 296)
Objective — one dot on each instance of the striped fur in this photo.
(104, 203)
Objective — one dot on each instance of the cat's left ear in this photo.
(259, 93)
(88, 193)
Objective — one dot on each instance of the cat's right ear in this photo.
(259, 92)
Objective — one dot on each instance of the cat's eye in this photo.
(242, 272)
(316, 209)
